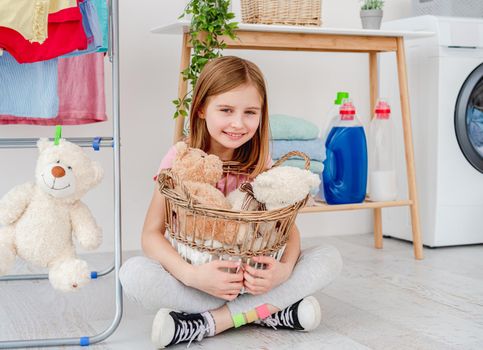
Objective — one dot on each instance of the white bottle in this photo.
(382, 170)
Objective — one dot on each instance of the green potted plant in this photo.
(210, 20)
(371, 14)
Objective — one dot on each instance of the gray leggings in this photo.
(146, 282)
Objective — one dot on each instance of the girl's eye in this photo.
(226, 110)
(251, 112)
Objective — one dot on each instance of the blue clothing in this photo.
(29, 89)
(284, 127)
(314, 149)
(474, 119)
(90, 22)
(103, 16)
(315, 166)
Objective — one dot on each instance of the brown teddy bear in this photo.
(200, 172)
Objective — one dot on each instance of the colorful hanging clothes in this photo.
(27, 17)
(81, 89)
(81, 93)
(90, 22)
(58, 5)
(103, 14)
(28, 90)
(65, 34)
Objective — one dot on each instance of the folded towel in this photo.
(314, 149)
(315, 166)
(284, 127)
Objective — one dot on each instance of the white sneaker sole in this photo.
(163, 329)
(313, 322)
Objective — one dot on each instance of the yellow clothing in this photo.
(57, 5)
(29, 17)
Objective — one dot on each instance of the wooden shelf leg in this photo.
(182, 86)
(374, 84)
(408, 147)
(374, 92)
(378, 228)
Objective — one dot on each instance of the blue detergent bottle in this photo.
(345, 168)
(331, 121)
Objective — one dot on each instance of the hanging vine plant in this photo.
(210, 20)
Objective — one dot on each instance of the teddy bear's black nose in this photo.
(58, 171)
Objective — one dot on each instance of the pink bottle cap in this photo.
(382, 110)
(347, 111)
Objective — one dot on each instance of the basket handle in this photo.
(250, 196)
(167, 174)
(292, 154)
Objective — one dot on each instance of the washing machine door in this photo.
(469, 118)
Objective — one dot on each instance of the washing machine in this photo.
(445, 76)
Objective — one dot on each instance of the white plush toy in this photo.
(41, 219)
(276, 188)
(282, 186)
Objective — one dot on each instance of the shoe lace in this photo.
(282, 318)
(191, 330)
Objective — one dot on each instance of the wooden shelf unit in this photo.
(320, 207)
(294, 38)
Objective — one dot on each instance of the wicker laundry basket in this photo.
(202, 234)
(292, 12)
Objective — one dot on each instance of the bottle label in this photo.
(347, 117)
(382, 116)
(382, 110)
(347, 111)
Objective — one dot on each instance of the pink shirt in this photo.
(230, 181)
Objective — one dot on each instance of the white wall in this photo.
(299, 83)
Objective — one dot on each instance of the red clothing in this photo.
(65, 34)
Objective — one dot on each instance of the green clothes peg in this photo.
(58, 134)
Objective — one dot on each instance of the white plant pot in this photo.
(371, 19)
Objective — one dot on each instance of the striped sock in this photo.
(262, 311)
(239, 320)
(210, 321)
(251, 316)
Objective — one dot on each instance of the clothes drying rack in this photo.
(113, 142)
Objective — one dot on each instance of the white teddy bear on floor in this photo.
(40, 219)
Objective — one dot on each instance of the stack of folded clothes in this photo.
(297, 134)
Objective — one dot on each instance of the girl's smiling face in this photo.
(232, 118)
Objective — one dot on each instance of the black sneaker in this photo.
(304, 315)
(172, 327)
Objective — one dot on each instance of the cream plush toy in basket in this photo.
(241, 232)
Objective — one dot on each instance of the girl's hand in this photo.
(261, 281)
(213, 279)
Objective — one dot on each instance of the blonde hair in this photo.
(219, 76)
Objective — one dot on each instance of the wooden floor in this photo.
(384, 299)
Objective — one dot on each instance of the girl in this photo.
(228, 118)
